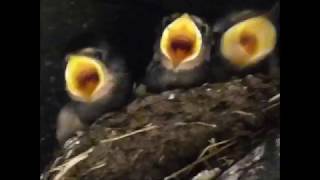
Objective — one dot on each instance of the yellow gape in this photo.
(84, 76)
(248, 42)
(181, 40)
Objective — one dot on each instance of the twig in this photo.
(98, 165)
(204, 158)
(198, 123)
(51, 168)
(207, 174)
(206, 124)
(274, 98)
(212, 146)
(148, 128)
(244, 113)
(64, 168)
(270, 107)
(54, 164)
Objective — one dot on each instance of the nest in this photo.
(199, 133)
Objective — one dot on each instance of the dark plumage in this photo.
(222, 68)
(114, 92)
(163, 73)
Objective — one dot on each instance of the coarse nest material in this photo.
(175, 134)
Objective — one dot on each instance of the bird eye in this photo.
(98, 55)
(248, 42)
(165, 22)
(169, 19)
(66, 58)
(204, 29)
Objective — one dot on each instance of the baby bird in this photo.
(181, 54)
(245, 43)
(97, 81)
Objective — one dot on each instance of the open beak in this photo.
(84, 77)
(181, 40)
(249, 41)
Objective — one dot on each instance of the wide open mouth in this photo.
(84, 76)
(181, 40)
(249, 41)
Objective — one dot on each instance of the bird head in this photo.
(181, 40)
(86, 75)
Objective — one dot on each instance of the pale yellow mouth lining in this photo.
(248, 42)
(181, 40)
(84, 77)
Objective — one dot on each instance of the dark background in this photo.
(129, 23)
